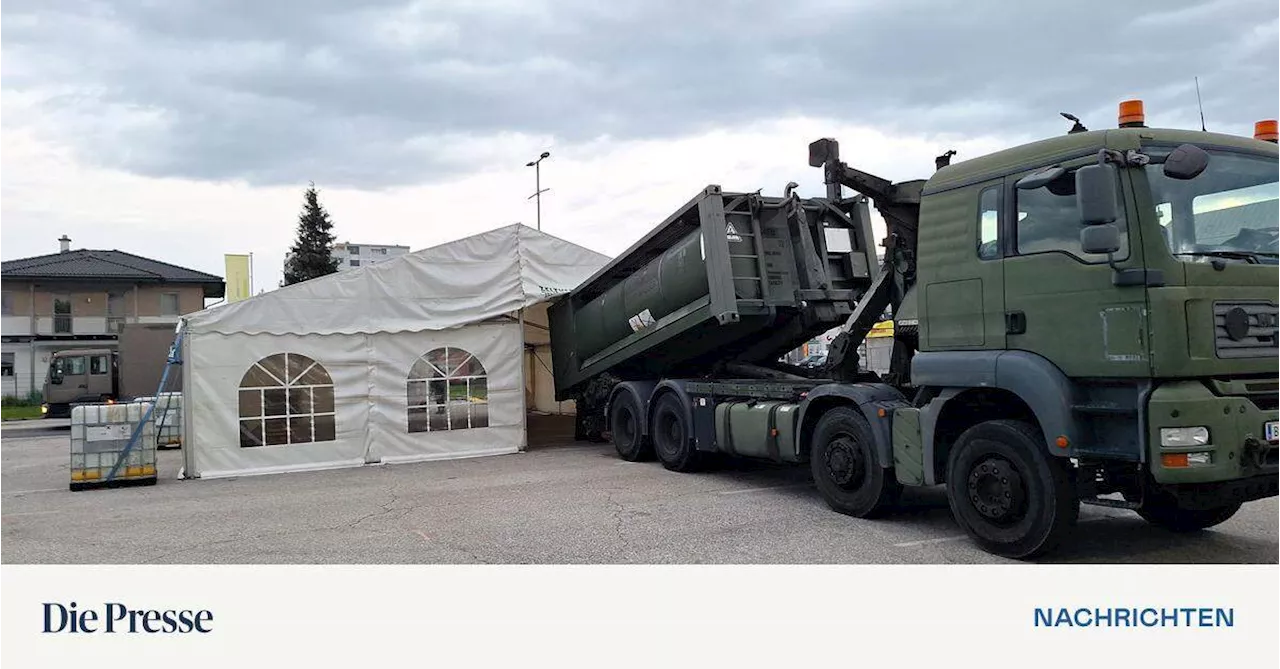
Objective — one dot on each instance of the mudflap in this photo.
(590, 422)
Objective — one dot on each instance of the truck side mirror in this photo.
(1096, 194)
(1186, 162)
(1102, 238)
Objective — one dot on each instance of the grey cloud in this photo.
(283, 91)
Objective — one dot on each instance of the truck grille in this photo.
(1245, 329)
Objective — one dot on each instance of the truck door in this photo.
(1061, 303)
(69, 377)
(100, 382)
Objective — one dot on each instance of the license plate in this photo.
(1272, 430)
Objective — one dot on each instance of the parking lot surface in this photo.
(559, 503)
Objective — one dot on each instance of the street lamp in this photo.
(537, 183)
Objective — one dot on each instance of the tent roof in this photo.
(465, 281)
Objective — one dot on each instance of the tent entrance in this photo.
(547, 421)
(547, 431)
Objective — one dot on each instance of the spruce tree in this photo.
(311, 253)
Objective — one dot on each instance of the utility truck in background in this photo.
(1091, 318)
(133, 368)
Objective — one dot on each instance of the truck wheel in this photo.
(845, 467)
(1162, 510)
(1006, 491)
(671, 433)
(625, 429)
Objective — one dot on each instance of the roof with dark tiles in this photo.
(100, 265)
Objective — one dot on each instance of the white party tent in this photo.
(436, 354)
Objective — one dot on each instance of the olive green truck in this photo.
(1087, 319)
(130, 367)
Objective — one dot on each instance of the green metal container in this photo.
(727, 277)
(677, 278)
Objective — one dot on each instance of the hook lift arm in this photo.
(899, 205)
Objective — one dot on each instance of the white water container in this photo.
(100, 433)
(167, 418)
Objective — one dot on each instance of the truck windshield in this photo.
(1228, 212)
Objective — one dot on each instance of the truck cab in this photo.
(1145, 364)
(79, 375)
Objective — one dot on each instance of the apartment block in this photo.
(351, 254)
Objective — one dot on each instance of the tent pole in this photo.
(524, 413)
(186, 433)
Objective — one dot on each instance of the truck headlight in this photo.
(1184, 436)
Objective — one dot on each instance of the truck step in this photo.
(1113, 503)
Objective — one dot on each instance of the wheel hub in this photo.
(668, 434)
(845, 463)
(627, 426)
(995, 489)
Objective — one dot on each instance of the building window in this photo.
(447, 390)
(989, 223)
(381, 252)
(115, 312)
(169, 304)
(6, 364)
(99, 364)
(355, 262)
(6, 304)
(62, 314)
(353, 250)
(286, 399)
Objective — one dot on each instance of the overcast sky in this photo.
(185, 129)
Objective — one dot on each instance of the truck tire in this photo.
(1006, 491)
(846, 469)
(1162, 511)
(671, 436)
(625, 429)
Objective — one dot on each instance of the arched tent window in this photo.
(447, 390)
(286, 398)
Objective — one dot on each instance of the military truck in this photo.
(1086, 319)
(133, 368)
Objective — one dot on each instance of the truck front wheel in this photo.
(846, 469)
(1011, 497)
(1163, 511)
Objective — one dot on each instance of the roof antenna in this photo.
(1077, 127)
(1200, 104)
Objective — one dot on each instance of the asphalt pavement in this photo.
(36, 427)
(564, 503)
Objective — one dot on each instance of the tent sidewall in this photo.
(370, 374)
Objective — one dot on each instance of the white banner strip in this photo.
(798, 616)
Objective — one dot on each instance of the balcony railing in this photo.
(64, 325)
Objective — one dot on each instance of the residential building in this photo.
(82, 297)
(351, 255)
